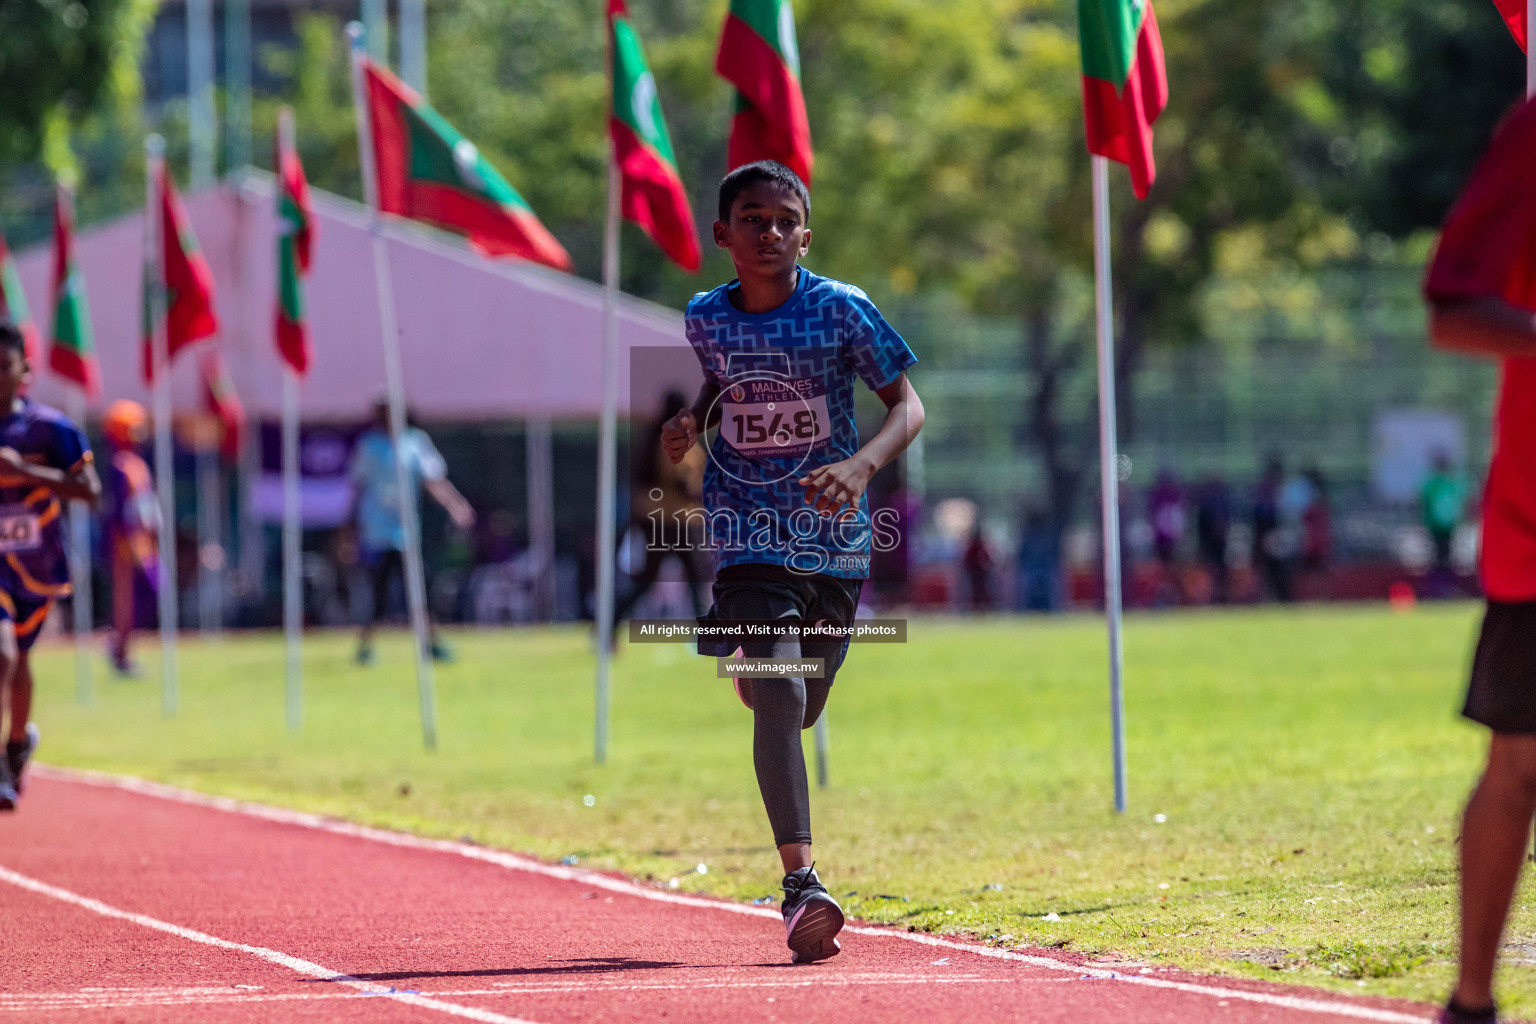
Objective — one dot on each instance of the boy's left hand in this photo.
(836, 484)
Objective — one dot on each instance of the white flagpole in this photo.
(210, 542)
(293, 580)
(415, 575)
(203, 130)
(165, 482)
(413, 44)
(80, 570)
(202, 118)
(541, 513)
(1530, 48)
(1109, 467)
(252, 554)
(607, 458)
(375, 23)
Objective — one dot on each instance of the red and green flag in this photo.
(653, 195)
(219, 398)
(428, 172)
(13, 304)
(759, 56)
(1513, 12)
(295, 238)
(188, 306)
(1124, 84)
(72, 352)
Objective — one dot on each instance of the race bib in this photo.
(763, 418)
(19, 529)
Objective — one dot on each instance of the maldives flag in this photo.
(653, 194)
(295, 238)
(189, 314)
(1124, 84)
(72, 354)
(427, 171)
(759, 56)
(13, 304)
(1514, 16)
(220, 399)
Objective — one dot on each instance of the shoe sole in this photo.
(812, 933)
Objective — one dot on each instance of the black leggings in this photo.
(781, 708)
(386, 566)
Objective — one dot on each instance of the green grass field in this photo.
(1309, 763)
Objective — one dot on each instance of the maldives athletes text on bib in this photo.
(764, 418)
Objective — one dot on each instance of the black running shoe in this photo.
(17, 754)
(1454, 1014)
(812, 917)
(8, 795)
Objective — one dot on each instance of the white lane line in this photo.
(121, 999)
(518, 862)
(272, 956)
(1302, 1003)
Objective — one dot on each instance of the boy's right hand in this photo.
(678, 435)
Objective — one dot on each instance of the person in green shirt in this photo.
(1443, 500)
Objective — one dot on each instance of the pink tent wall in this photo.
(479, 339)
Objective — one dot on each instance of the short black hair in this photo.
(11, 337)
(733, 184)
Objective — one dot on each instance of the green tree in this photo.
(951, 158)
(63, 57)
(1301, 136)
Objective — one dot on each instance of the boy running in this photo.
(1482, 294)
(44, 461)
(784, 487)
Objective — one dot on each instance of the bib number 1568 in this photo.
(784, 428)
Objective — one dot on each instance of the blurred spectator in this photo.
(1165, 507)
(977, 562)
(1039, 560)
(378, 510)
(1443, 502)
(661, 497)
(1165, 510)
(498, 539)
(1296, 496)
(130, 521)
(1213, 522)
(1272, 543)
(891, 557)
(1317, 523)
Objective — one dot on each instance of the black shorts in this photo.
(770, 593)
(28, 612)
(1502, 693)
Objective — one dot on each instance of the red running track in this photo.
(126, 902)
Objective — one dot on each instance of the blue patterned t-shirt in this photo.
(786, 380)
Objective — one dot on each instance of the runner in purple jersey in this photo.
(44, 462)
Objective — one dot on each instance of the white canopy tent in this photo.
(480, 339)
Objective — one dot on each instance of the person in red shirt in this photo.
(1481, 290)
